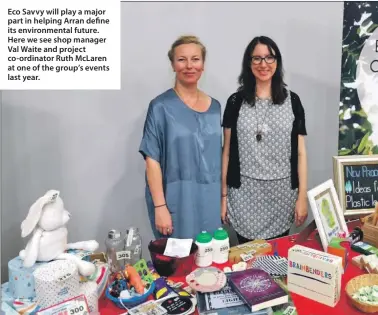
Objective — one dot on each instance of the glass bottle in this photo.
(115, 251)
(133, 246)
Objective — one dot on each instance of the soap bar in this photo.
(358, 261)
(239, 266)
(253, 248)
(372, 267)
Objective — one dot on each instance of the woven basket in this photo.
(355, 284)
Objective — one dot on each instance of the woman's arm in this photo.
(155, 181)
(225, 158)
(301, 207)
(151, 150)
(228, 122)
(302, 167)
(163, 220)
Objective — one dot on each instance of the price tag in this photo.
(75, 306)
(78, 308)
(246, 257)
(137, 250)
(126, 254)
(64, 277)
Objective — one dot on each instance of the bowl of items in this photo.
(128, 289)
(167, 266)
(363, 292)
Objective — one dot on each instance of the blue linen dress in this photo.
(188, 146)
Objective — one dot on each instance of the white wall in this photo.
(86, 143)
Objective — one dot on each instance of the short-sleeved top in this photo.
(188, 146)
(268, 158)
(230, 120)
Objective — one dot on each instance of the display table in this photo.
(304, 306)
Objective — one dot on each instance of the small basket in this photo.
(131, 302)
(167, 266)
(355, 284)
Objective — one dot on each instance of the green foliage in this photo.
(354, 125)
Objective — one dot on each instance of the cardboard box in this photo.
(246, 251)
(314, 274)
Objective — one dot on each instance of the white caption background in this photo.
(60, 45)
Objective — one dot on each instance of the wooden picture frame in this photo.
(356, 174)
(327, 212)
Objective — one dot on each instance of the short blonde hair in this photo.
(186, 39)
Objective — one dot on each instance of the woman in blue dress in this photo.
(182, 148)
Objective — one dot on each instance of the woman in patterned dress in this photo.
(264, 168)
(182, 148)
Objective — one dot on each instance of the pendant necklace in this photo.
(259, 131)
(192, 107)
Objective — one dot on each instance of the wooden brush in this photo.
(375, 217)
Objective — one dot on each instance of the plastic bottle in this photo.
(221, 246)
(115, 251)
(204, 256)
(133, 246)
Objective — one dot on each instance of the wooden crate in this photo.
(370, 234)
(370, 229)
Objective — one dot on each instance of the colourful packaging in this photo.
(314, 274)
(340, 247)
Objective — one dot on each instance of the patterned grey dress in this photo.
(263, 206)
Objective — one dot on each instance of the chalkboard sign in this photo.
(356, 181)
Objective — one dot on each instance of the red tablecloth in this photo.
(304, 306)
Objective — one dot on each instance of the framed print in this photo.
(356, 181)
(329, 217)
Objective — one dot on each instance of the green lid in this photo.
(220, 234)
(204, 237)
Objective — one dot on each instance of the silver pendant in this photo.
(258, 137)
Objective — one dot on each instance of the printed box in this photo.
(314, 274)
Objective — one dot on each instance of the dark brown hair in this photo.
(247, 80)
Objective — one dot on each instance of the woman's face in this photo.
(188, 63)
(263, 70)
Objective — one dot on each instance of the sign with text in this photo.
(70, 45)
(356, 179)
(75, 306)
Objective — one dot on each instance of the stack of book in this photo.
(248, 292)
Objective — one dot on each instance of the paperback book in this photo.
(225, 302)
(257, 289)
